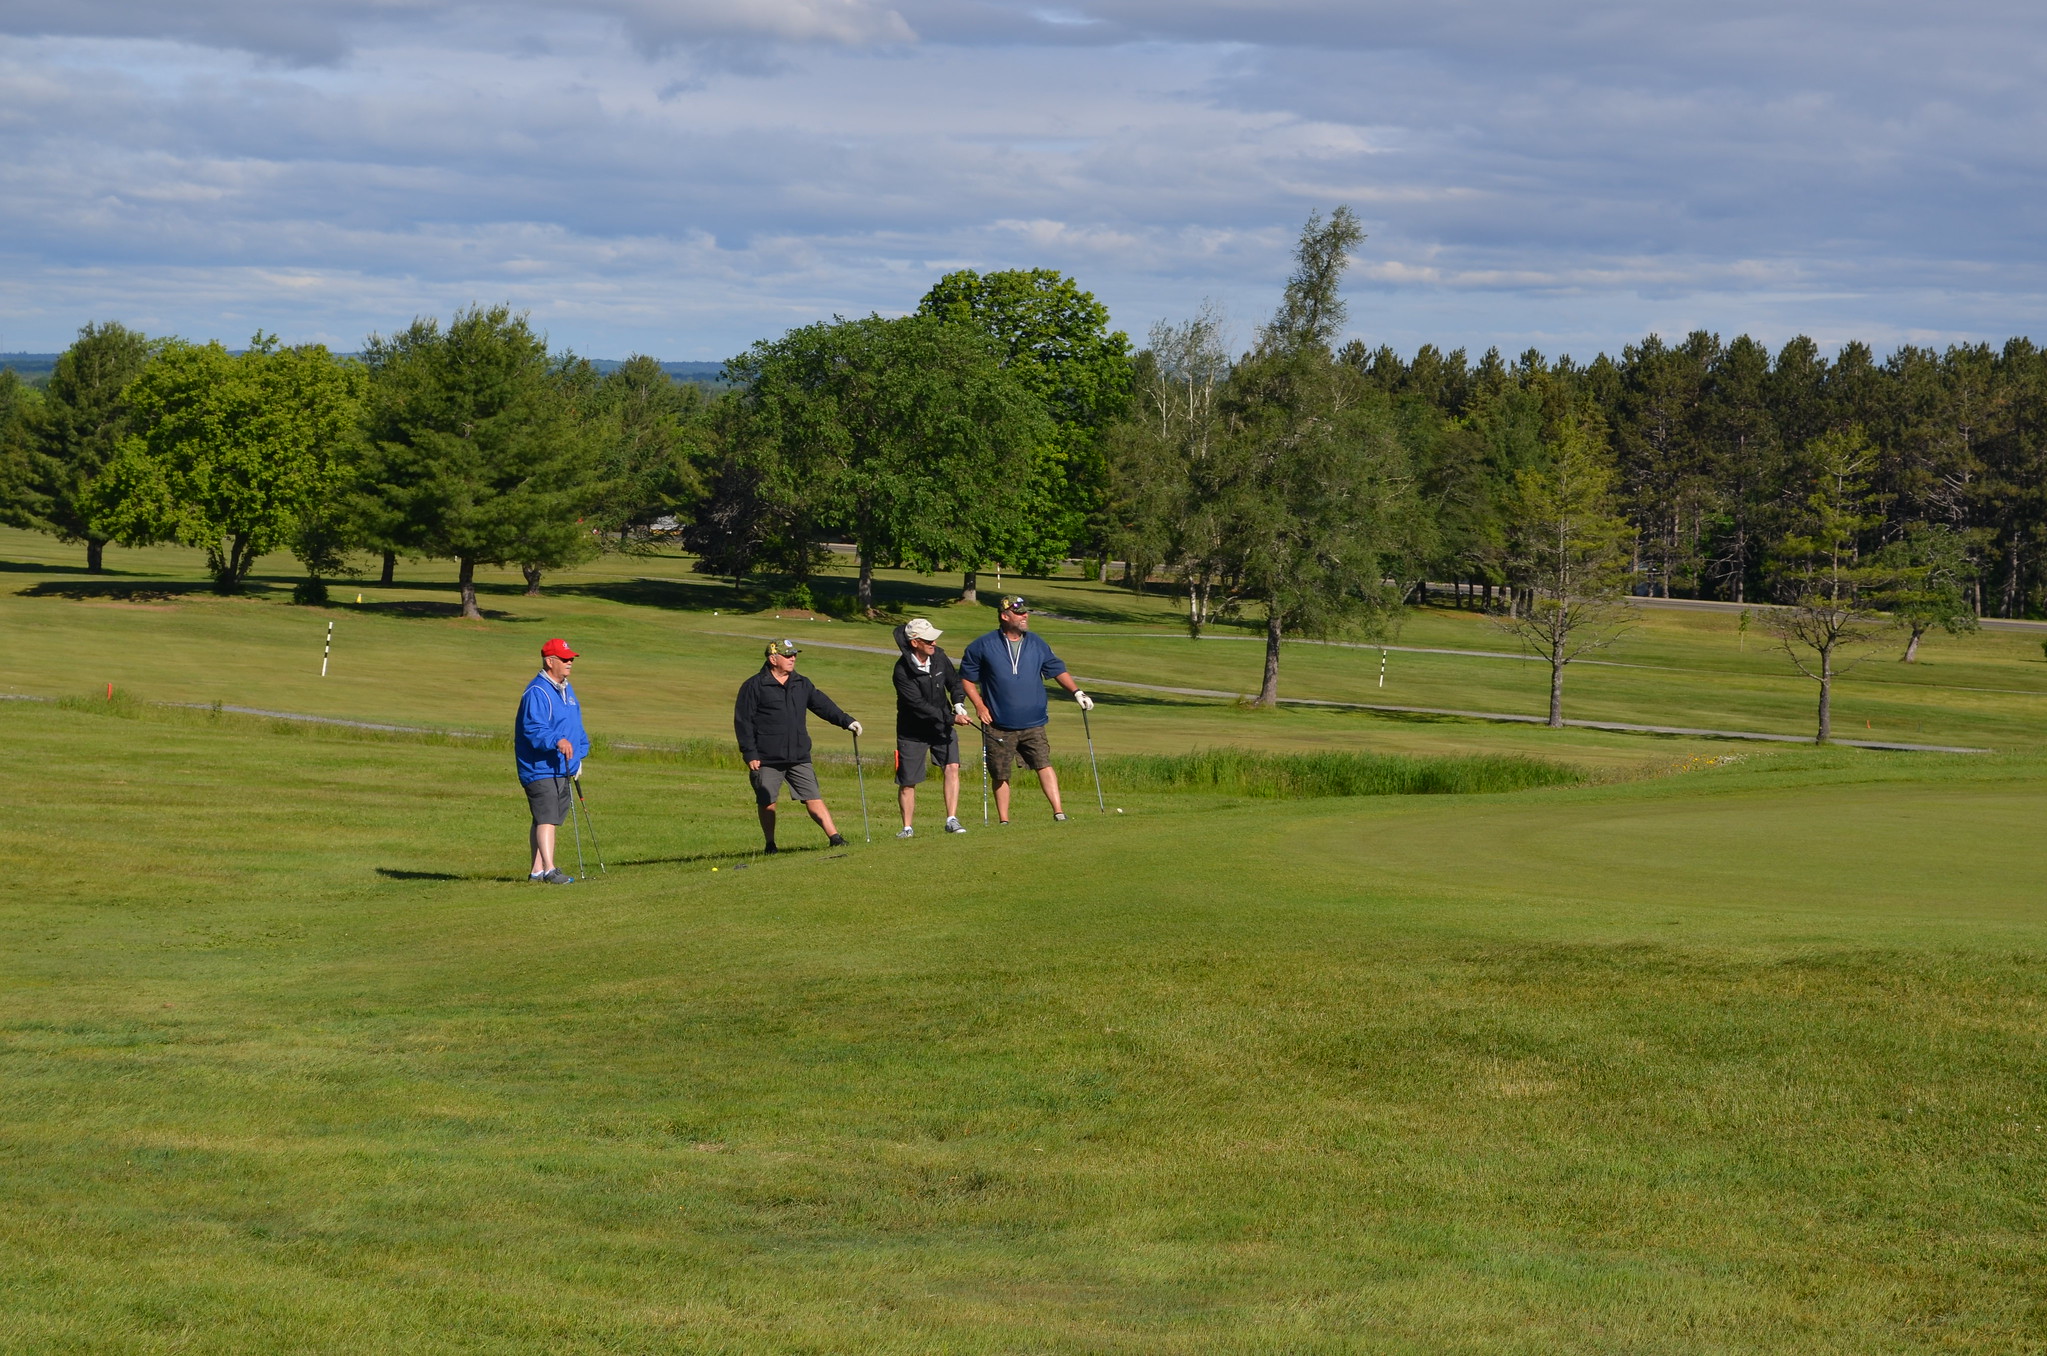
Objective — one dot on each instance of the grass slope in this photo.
(1739, 1059)
(665, 653)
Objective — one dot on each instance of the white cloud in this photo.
(682, 177)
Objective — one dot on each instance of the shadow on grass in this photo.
(29, 567)
(115, 590)
(391, 873)
(698, 859)
(420, 608)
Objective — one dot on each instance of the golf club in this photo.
(1102, 803)
(595, 846)
(859, 772)
(577, 826)
(986, 735)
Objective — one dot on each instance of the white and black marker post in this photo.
(328, 651)
(1382, 666)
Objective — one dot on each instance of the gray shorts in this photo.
(767, 782)
(914, 757)
(548, 798)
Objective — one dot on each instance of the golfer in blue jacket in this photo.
(549, 745)
(1004, 673)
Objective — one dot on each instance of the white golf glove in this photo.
(1087, 703)
(855, 728)
(959, 708)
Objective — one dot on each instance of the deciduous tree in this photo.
(1570, 552)
(1926, 584)
(1830, 610)
(910, 434)
(236, 454)
(1055, 338)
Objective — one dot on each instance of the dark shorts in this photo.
(914, 757)
(548, 798)
(1030, 745)
(767, 782)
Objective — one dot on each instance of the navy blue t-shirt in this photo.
(1012, 677)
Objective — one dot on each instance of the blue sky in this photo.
(680, 177)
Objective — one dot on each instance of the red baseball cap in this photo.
(559, 648)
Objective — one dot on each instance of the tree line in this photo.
(1308, 487)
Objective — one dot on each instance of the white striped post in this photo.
(1382, 665)
(329, 650)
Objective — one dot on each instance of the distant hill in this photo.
(33, 368)
(708, 374)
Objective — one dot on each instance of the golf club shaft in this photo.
(595, 846)
(1101, 802)
(576, 825)
(861, 773)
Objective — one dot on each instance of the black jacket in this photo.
(769, 717)
(924, 700)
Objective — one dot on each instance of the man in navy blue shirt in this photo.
(1004, 673)
(548, 747)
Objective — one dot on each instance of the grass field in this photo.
(1721, 1048)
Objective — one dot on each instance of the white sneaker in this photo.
(907, 832)
(953, 825)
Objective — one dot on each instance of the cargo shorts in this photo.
(1004, 747)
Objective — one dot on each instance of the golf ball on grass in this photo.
(1119, 809)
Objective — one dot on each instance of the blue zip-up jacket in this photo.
(1015, 693)
(546, 716)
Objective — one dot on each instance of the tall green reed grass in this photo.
(1215, 771)
(1295, 776)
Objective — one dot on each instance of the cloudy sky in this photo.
(680, 177)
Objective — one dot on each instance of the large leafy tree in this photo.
(909, 434)
(74, 434)
(1055, 337)
(479, 448)
(1318, 500)
(236, 454)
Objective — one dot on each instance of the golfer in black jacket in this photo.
(930, 706)
(770, 719)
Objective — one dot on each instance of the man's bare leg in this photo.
(542, 839)
(952, 793)
(768, 824)
(1002, 801)
(906, 796)
(822, 816)
(1049, 779)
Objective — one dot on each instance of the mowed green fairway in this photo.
(1700, 1055)
(1746, 1058)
